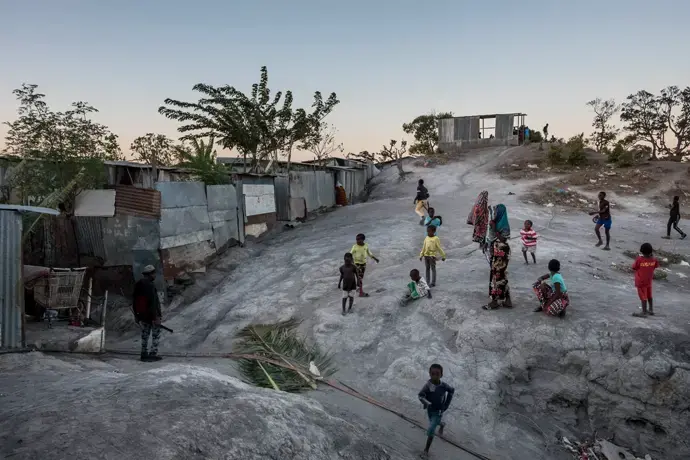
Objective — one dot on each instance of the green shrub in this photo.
(575, 148)
(535, 136)
(555, 154)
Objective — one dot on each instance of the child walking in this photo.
(430, 249)
(360, 251)
(417, 288)
(348, 281)
(529, 241)
(435, 397)
(644, 267)
(673, 220)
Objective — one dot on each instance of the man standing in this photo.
(147, 312)
(420, 200)
(603, 218)
(546, 132)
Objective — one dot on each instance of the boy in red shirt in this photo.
(644, 267)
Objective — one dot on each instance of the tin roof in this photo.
(19, 208)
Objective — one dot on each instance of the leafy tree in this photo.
(154, 149)
(604, 132)
(391, 152)
(643, 118)
(258, 126)
(575, 148)
(535, 136)
(200, 157)
(424, 128)
(324, 145)
(364, 156)
(674, 105)
(61, 150)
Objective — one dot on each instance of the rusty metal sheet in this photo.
(188, 257)
(136, 201)
(90, 236)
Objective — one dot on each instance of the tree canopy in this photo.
(424, 128)
(604, 132)
(154, 149)
(61, 148)
(259, 126)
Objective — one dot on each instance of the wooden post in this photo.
(103, 312)
(88, 300)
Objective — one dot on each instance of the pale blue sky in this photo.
(387, 60)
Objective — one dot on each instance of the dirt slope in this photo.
(520, 377)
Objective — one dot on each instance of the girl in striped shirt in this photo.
(529, 241)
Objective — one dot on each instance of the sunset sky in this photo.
(388, 61)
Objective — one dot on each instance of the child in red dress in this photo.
(644, 267)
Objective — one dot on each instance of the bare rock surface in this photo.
(520, 377)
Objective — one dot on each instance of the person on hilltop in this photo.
(603, 219)
(546, 132)
(420, 200)
(360, 251)
(147, 313)
(673, 220)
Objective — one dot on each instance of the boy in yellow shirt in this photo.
(360, 251)
(432, 248)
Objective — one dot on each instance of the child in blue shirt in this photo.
(435, 397)
(433, 219)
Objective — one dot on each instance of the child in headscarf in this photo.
(479, 217)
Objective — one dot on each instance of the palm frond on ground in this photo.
(281, 343)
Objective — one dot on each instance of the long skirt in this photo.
(554, 308)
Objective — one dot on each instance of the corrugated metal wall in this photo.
(223, 214)
(90, 236)
(316, 187)
(11, 283)
(135, 201)
(446, 130)
(281, 188)
(185, 229)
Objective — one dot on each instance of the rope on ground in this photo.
(337, 385)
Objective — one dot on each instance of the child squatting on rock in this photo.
(435, 397)
(417, 288)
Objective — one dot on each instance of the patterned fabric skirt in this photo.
(544, 293)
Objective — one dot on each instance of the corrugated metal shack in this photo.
(311, 186)
(11, 274)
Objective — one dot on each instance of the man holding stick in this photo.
(147, 311)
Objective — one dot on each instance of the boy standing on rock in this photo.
(644, 267)
(431, 249)
(435, 397)
(603, 219)
(360, 251)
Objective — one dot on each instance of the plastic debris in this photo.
(531, 166)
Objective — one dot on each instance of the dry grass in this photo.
(665, 258)
(659, 275)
